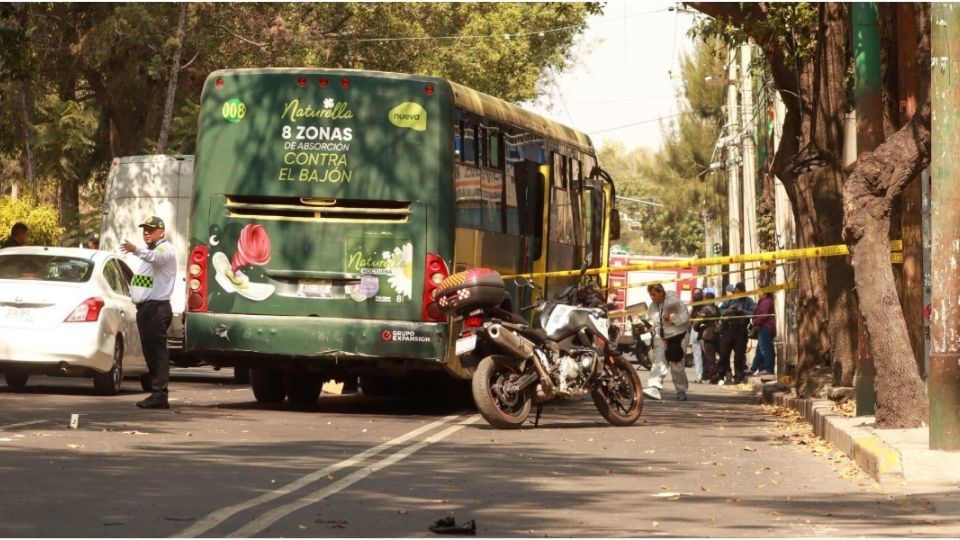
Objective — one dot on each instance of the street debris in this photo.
(448, 525)
(74, 421)
(134, 432)
(670, 495)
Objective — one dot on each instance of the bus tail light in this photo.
(197, 279)
(435, 271)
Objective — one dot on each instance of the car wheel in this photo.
(108, 384)
(16, 380)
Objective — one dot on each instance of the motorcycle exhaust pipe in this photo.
(523, 348)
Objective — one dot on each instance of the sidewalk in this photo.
(895, 458)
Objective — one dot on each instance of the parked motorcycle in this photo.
(642, 331)
(565, 353)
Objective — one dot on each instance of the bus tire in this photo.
(267, 385)
(303, 388)
(374, 386)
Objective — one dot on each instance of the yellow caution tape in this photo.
(762, 290)
(767, 256)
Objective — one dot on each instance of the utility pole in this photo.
(732, 160)
(748, 145)
(869, 104)
(944, 382)
(785, 239)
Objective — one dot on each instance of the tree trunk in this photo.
(813, 89)
(26, 119)
(878, 180)
(172, 81)
(26, 115)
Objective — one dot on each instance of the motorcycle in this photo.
(642, 340)
(566, 352)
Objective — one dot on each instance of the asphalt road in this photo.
(220, 464)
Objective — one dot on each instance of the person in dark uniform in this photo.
(150, 289)
(18, 236)
(733, 334)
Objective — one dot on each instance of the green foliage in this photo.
(105, 66)
(786, 25)
(41, 220)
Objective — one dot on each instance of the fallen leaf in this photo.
(650, 452)
(703, 489)
(609, 471)
(734, 500)
(330, 477)
(74, 446)
(664, 486)
(656, 523)
(749, 449)
(775, 513)
(302, 527)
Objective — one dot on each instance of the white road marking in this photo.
(22, 424)
(217, 517)
(278, 513)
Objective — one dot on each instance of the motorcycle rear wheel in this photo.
(619, 396)
(500, 406)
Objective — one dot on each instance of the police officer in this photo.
(150, 290)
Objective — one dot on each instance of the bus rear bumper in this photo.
(349, 344)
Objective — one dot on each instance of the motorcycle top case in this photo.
(468, 290)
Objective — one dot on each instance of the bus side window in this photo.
(575, 181)
(494, 148)
(466, 182)
(512, 201)
(469, 143)
(458, 141)
(530, 203)
(561, 213)
(491, 191)
(480, 142)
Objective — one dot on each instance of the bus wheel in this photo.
(374, 386)
(303, 388)
(267, 385)
(241, 375)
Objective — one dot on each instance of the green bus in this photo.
(328, 204)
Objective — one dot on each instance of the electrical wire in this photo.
(636, 123)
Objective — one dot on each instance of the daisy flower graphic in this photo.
(328, 103)
(401, 278)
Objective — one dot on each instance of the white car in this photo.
(67, 311)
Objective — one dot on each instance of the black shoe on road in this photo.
(154, 402)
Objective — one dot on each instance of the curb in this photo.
(849, 435)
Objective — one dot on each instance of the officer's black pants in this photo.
(153, 320)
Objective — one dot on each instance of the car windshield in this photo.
(45, 268)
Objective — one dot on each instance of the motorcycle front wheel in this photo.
(500, 403)
(619, 395)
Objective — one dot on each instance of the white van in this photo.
(142, 186)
